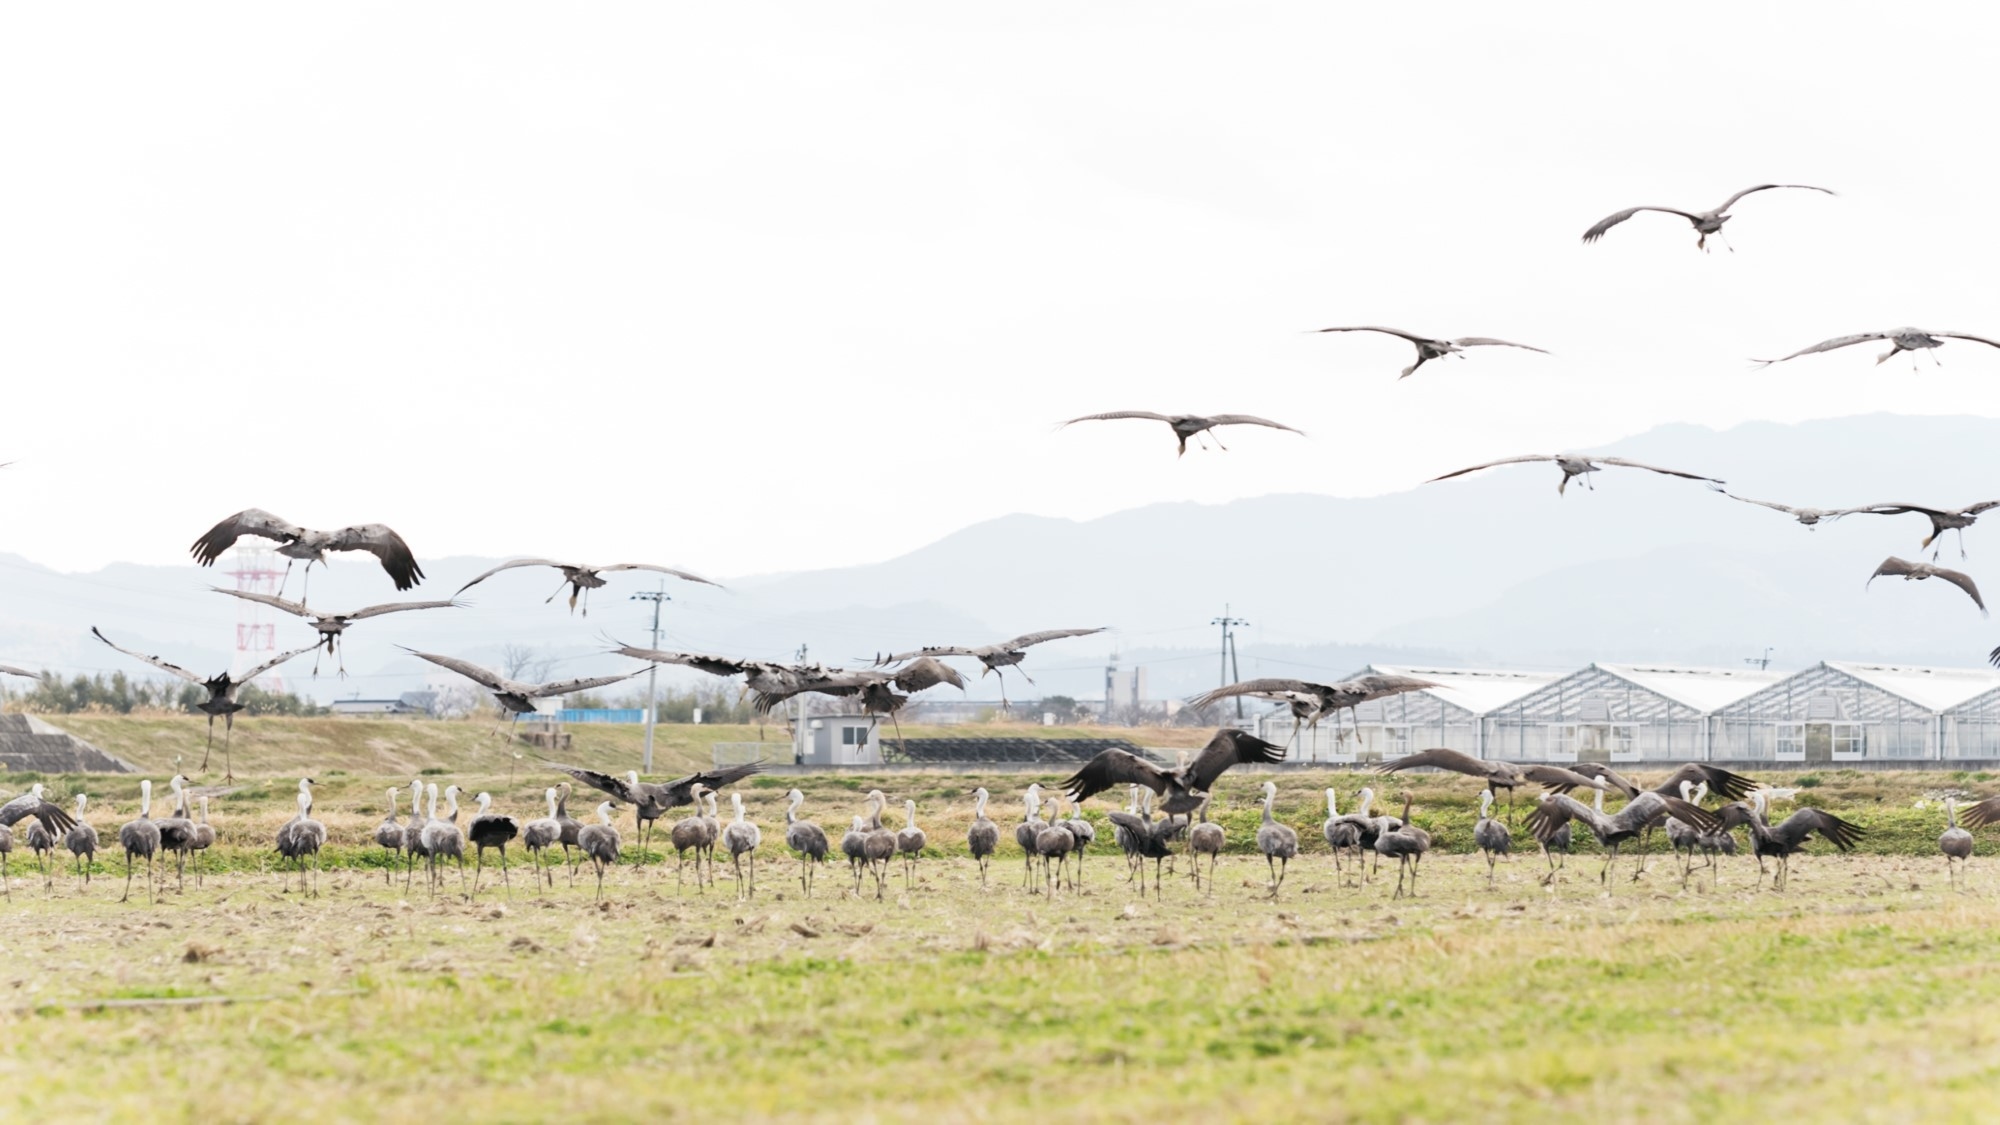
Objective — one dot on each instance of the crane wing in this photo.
(1488, 341)
(1111, 769)
(10, 670)
(296, 609)
(1029, 640)
(681, 790)
(387, 546)
(1840, 833)
(927, 650)
(1731, 201)
(567, 687)
(1439, 758)
(484, 677)
(1607, 222)
(509, 565)
(700, 661)
(53, 818)
(1494, 464)
(1825, 346)
(1251, 420)
(1555, 810)
(1597, 771)
(1726, 784)
(1116, 414)
(1410, 336)
(1627, 463)
(1554, 777)
(272, 663)
(398, 607)
(249, 521)
(1264, 687)
(602, 782)
(925, 672)
(1969, 336)
(667, 570)
(1226, 749)
(1981, 814)
(170, 669)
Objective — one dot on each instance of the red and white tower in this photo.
(256, 572)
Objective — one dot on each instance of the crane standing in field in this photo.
(982, 839)
(806, 838)
(140, 837)
(599, 842)
(82, 843)
(1407, 844)
(538, 836)
(1278, 842)
(1956, 844)
(1493, 838)
(490, 830)
(389, 834)
(1207, 838)
(650, 800)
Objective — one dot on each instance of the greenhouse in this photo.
(1451, 715)
(1620, 713)
(1840, 711)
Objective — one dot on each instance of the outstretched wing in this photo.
(681, 789)
(387, 546)
(296, 609)
(680, 574)
(1969, 336)
(602, 782)
(1488, 341)
(170, 669)
(1439, 758)
(1983, 813)
(927, 650)
(53, 818)
(1553, 811)
(1825, 346)
(1116, 414)
(702, 662)
(1726, 784)
(484, 677)
(1029, 640)
(1111, 769)
(10, 670)
(570, 687)
(1607, 222)
(398, 607)
(1630, 464)
(1250, 420)
(1554, 777)
(1597, 771)
(509, 565)
(1731, 201)
(1412, 337)
(1494, 464)
(1263, 687)
(272, 663)
(1964, 582)
(249, 521)
(1382, 685)
(1689, 813)
(1840, 833)
(1894, 567)
(926, 673)
(1226, 749)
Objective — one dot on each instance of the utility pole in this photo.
(1762, 662)
(1228, 650)
(799, 721)
(652, 670)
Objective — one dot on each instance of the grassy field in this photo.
(1864, 992)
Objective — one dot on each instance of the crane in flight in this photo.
(222, 689)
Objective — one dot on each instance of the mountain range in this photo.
(1494, 569)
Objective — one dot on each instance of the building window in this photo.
(1791, 742)
(1562, 742)
(1849, 740)
(1395, 741)
(854, 736)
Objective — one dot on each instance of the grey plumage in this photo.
(442, 838)
(1612, 831)
(140, 837)
(303, 836)
(1956, 843)
(1342, 833)
(1053, 845)
(1407, 845)
(599, 843)
(81, 840)
(389, 834)
(1278, 842)
(1184, 787)
(1186, 426)
(910, 841)
(805, 838)
(993, 657)
(742, 838)
(1705, 223)
(690, 832)
(307, 545)
(516, 696)
(1030, 827)
(1918, 571)
(1429, 349)
(878, 844)
(1789, 837)
(330, 626)
(982, 839)
(1575, 465)
(1493, 838)
(539, 835)
(583, 577)
(222, 690)
(1207, 838)
(1903, 339)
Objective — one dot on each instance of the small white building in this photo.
(839, 740)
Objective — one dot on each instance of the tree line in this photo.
(120, 694)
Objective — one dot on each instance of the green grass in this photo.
(1863, 992)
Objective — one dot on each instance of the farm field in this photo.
(1862, 992)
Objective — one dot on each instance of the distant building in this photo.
(1452, 715)
(840, 740)
(1844, 711)
(1621, 713)
(417, 703)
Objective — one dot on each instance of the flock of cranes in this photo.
(1052, 845)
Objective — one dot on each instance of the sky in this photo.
(760, 287)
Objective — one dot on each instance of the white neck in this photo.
(1367, 801)
(604, 813)
(451, 798)
(305, 804)
(1485, 803)
(1598, 801)
(736, 802)
(485, 799)
(910, 813)
(979, 807)
(392, 803)
(1332, 806)
(797, 800)
(551, 795)
(433, 795)
(145, 799)
(80, 799)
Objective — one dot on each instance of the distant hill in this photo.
(1493, 569)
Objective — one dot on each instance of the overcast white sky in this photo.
(497, 274)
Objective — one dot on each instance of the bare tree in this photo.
(527, 663)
